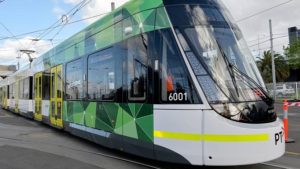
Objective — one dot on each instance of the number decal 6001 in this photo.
(178, 97)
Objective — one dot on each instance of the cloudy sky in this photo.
(20, 17)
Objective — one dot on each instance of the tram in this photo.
(168, 80)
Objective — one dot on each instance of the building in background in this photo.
(294, 35)
(7, 70)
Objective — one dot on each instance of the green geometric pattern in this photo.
(132, 120)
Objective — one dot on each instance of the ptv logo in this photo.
(279, 137)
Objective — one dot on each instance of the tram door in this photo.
(56, 93)
(16, 94)
(5, 97)
(38, 96)
(2, 96)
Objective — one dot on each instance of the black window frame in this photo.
(65, 72)
(111, 48)
(45, 79)
(147, 66)
(193, 94)
(21, 89)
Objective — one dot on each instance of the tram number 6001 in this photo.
(178, 97)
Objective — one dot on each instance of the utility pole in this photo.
(18, 57)
(258, 45)
(28, 52)
(273, 60)
(113, 6)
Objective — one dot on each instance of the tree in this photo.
(265, 67)
(293, 54)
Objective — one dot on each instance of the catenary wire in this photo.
(77, 10)
(69, 23)
(58, 22)
(263, 11)
(10, 32)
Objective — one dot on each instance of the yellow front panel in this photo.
(59, 93)
(56, 88)
(53, 96)
(16, 86)
(38, 96)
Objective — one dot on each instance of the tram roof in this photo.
(54, 57)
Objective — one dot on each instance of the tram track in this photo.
(115, 157)
(268, 164)
(278, 166)
(84, 151)
(107, 155)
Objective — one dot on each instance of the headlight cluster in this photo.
(247, 112)
(230, 110)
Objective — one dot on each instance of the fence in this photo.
(288, 90)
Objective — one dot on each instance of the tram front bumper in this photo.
(233, 143)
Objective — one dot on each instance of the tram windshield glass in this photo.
(218, 54)
(221, 61)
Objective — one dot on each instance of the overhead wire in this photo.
(10, 32)
(256, 39)
(263, 11)
(53, 26)
(264, 48)
(78, 9)
(69, 23)
(58, 22)
(267, 40)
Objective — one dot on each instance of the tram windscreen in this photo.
(222, 62)
(225, 68)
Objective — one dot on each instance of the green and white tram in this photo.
(167, 80)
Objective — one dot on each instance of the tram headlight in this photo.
(230, 110)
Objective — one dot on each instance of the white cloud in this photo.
(282, 17)
(9, 50)
(72, 1)
(58, 11)
(96, 7)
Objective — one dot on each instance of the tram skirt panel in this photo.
(227, 142)
(176, 136)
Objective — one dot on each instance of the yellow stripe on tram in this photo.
(178, 136)
(236, 138)
(212, 137)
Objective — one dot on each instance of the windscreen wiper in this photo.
(266, 95)
(230, 69)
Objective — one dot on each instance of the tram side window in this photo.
(137, 67)
(40, 86)
(176, 85)
(101, 76)
(1, 95)
(46, 85)
(59, 84)
(6, 89)
(21, 89)
(15, 90)
(26, 89)
(74, 80)
(11, 91)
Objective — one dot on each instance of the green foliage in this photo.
(264, 65)
(293, 54)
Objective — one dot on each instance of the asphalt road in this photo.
(292, 156)
(26, 144)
